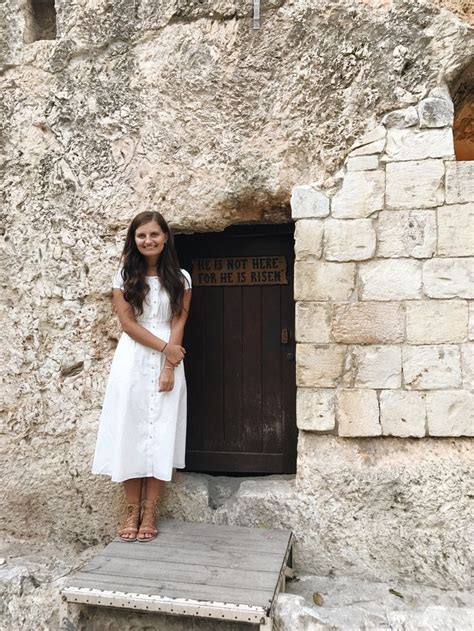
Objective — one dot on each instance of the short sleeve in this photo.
(187, 279)
(117, 281)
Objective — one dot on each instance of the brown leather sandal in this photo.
(130, 523)
(148, 523)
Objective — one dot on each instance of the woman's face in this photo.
(150, 239)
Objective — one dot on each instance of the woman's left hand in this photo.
(166, 379)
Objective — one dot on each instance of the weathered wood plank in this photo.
(234, 461)
(236, 595)
(232, 349)
(272, 430)
(234, 533)
(239, 558)
(180, 572)
(273, 548)
(213, 367)
(252, 375)
(195, 375)
(219, 543)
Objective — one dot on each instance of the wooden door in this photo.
(240, 358)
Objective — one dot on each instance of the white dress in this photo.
(142, 432)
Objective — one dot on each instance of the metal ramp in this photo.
(230, 573)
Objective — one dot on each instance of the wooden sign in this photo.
(239, 270)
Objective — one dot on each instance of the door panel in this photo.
(240, 371)
(252, 394)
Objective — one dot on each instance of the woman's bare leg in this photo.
(133, 490)
(153, 488)
(152, 494)
(133, 493)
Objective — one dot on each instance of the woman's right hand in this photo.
(174, 353)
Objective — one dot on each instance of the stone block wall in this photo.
(384, 284)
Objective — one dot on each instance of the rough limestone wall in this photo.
(384, 284)
(184, 106)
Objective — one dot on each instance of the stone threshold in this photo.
(221, 488)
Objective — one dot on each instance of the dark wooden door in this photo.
(240, 359)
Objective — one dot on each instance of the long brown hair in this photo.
(135, 266)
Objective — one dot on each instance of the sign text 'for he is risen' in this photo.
(239, 270)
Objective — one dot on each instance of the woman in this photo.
(142, 428)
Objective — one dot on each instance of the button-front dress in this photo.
(142, 432)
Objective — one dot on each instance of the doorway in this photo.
(240, 350)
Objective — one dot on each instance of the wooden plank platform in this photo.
(191, 569)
